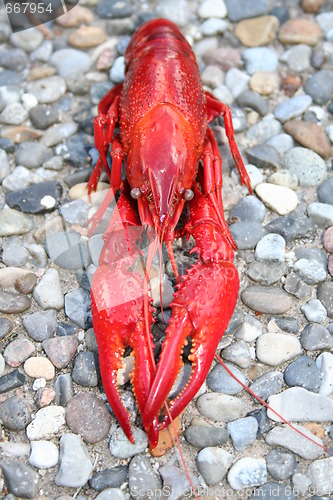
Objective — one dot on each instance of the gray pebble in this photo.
(48, 293)
(220, 407)
(13, 253)
(13, 114)
(266, 273)
(296, 286)
(43, 116)
(47, 90)
(78, 308)
(4, 165)
(11, 303)
(213, 26)
(75, 212)
(260, 59)
(203, 436)
(59, 132)
(110, 9)
(307, 165)
(38, 254)
(95, 245)
(84, 369)
(321, 214)
(32, 154)
(141, 477)
(267, 384)
(292, 226)
(247, 472)
(271, 247)
(253, 100)
(219, 380)
(314, 311)
(243, 432)
(264, 130)
(9, 94)
(303, 372)
(21, 479)
(249, 208)
(69, 61)
(297, 58)
(287, 438)
(243, 9)
(312, 253)
(271, 489)
(175, 479)
(64, 389)
(11, 381)
(293, 107)
(14, 59)
(15, 413)
(287, 324)
(28, 41)
(325, 295)
(238, 353)
(117, 72)
(75, 465)
(325, 191)
(310, 271)
(90, 339)
(9, 77)
(282, 143)
(43, 52)
(247, 234)
(109, 494)
(67, 250)
(280, 464)
(315, 337)
(213, 464)
(264, 424)
(109, 478)
(121, 447)
(41, 325)
(320, 86)
(98, 90)
(263, 156)
(266, 300)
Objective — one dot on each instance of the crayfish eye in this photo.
(135, 193)
(188, 194)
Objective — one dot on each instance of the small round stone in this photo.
(314, 311)
(41, 325)
(48, 291)
(84, 369)
(247, 472)
(275, 348)
(271, 247)
(15, 413)
(47, 423)
(88, 416)
(315, 337)
(303, 372)
(310, 271)
(268, 384)
(202, 436)
(121, 447)
(280, 199)
(309, 168)
(61, 350)
(243, 432)
(142, 477)
(247, 234)
(220, 407)
(213, 464)
(266, 300)
(249, 209)
(109, 478)
(219, 380)
(37, 367)
(86, 37)
(44, 454)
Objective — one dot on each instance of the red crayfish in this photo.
(172, 189)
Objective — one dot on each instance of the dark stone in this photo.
(74, 151)
(320, 86)
(15, 414)
(7, 145)
(263, 156)
(85, 370)
(303, 372)
(253, 100)
(202, 436)
(82, 175)
(11, 303)
(67, 250)
(64, 389)
(14, 59)
(43, 116)
(109, 478)
(6, 326)
(109, 9)
(30, 200)
(11, 381)
(315, 337)
(249, 208)
(274, 490)
(292, 227)
(78, 308)
(296, 286)
(65, 329)
(312, 253)
(262, 419)
(281, 12)
(21, 479)
(325, 295)
(247, 234)
(287, 324)
(325, 192)
(243, 9)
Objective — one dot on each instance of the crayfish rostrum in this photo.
(172, 189)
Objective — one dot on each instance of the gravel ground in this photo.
(272, 63)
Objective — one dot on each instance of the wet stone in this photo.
(292, 226)
(15, 414)
(78, 308)
(324, 192)
(268, 384)
(213, 464)
(249, 209)
(121, 447)
(315, 337)
(41, 325)
(43, 116)
(21, 479)
(203, 436)
(320, 86)
(142, 476)
(85, 370)
(263, 156)
(247, 234)
(12, 303)
(266, 300)
(75, 465)
(64, 389)
(11, 381)
(88, 416)
(303, 372)
(67, 250)
(219, 380)
(266, 273)
(109, 478)
(39, 198)
(243, 432)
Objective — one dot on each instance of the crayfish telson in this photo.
(173, 166)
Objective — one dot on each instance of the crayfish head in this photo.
(162, 166)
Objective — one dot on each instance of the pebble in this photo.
(258, 31)
(291, 108)
(109, 478)
(276, 348)
(67, 250)
(213, 26)
(268, 384)
(310, 271)
(238, 353)
(13, 254)
(2, 364)
(296, 31)
(58, 133)
(324, 192)
(113, 9)
(64, 389)
(11, 381)
(321, 214)
(298, 404)
(85, 370)
(303, 372)
(297, 58)
(47, 292)
(70, 61)
(212, 76)
(309, 168)
(325, 295)
(264, 82)
(6, 326)
(21, 480)
(213, 464)
(202, 436)
(88, 416)
(238, 10)
(286, 437)
(212, 9)
(263, 156)
(249, 208)
(75, 17)
(47, 423)
(42, 117)
(221, 407)
(47, 90)
(4, 165)
(320, 86)
(9, 77)
(38, 198)
(247, 234)
(280, 199)
(75, 465)
(61, 350)
(78, 308)
(314, 311)
(284, 177)
(249, 329)
(15, 413)
(272, 489)
(272, 247)
(266, 300)
(247, 472)
(223, 58)
(54, 163)
(37, 367)
(320, 473)
(74, 151)
(315, 337)
(121, 447)
(14, 59)
(10, 449)
(111, 494)
(13, 114)
(311, 136)
(142, 477)
(261, 132)
(44, 454)
(301, 483)
(260, 59)
(219, 380)
(86, 37)
(6, 144)
(312, 254)
(325, 365)
(117, 72)
(12, 303)
(27, 40)
(167, 293)
(292, 226)
(20, 178)
(41, 325)
(243, 432)
(296, 286)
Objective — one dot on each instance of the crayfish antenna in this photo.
(261, 401)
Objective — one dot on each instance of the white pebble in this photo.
(44, 454)
(280, 199)
(276, 348)
(47, 423)
(325, 364)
